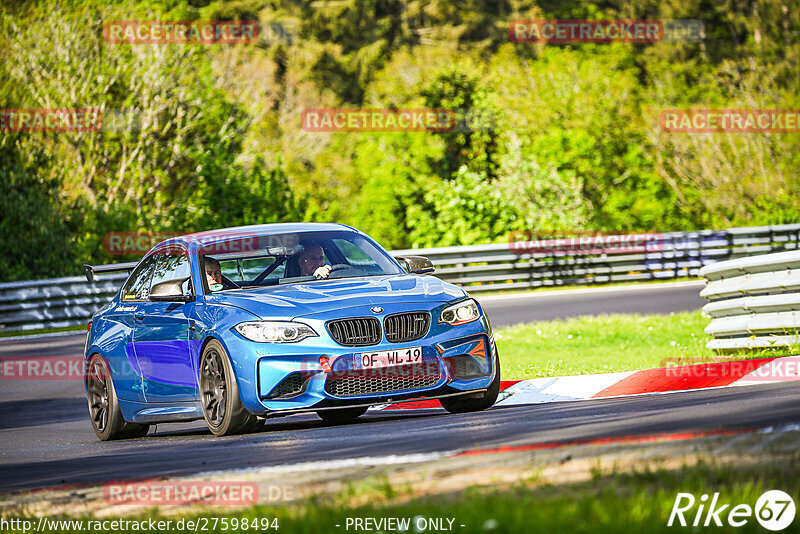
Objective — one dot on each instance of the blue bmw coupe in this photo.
(243, 324)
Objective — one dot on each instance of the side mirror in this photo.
(170, 291)
(416, 264)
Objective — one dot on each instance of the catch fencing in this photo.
(517, 265)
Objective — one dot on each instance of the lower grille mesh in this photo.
(382, 380)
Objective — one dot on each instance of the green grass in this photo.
(609, 343)
(620, 502)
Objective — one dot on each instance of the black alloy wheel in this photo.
(222, 407)
(104, 411)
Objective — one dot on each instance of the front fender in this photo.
(217, 321)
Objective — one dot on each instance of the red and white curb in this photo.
(627, 383)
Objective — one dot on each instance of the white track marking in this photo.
(584, 290)
(343, 463)
(564, 388)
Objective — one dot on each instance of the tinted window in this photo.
(172, 267)
(367, 258)
(138, 285)
(259, 260)
(244, 269)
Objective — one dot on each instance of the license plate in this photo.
(387, 358)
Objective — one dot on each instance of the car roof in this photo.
(212, 236)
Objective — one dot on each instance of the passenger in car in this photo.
(213, 273)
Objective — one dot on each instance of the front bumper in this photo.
(288, 378)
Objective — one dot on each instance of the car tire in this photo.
(470, 403)
(342, 416)
(219, 394)
(104, 412)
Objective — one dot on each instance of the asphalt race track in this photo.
(548, 305)
(47, 439)
(59, 447)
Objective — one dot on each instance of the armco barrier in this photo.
(71, 301)
(54, 303)
(754, 301)
(671, 255)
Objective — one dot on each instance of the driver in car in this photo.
(312, 262)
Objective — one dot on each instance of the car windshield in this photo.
(265, 260)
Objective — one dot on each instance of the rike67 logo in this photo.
(774, 510)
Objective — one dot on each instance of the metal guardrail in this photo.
(71, 301)
(671, 255)
(754, 301)
(54, 303)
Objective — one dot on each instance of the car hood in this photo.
(296, 300)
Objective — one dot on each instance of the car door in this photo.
(122, 357)
(161, 335)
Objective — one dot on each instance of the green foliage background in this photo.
(205, 136)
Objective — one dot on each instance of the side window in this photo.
(171, 267)
(138, 286)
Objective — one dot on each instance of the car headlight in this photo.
(275, 331)
(460, 313)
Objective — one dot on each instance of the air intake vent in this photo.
(402, 327)
(355, 332)
(291, 386)
(351, 383)
(464, 367)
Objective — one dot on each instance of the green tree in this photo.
(476, 144)
(37, 227)
(466, 210)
